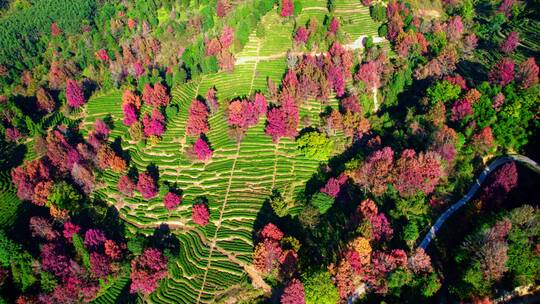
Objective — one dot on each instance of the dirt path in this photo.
(481, 178)
(218, 225)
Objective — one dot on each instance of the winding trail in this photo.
(455, 207)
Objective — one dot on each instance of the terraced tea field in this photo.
(236, 181)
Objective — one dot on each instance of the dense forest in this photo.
(269, 151)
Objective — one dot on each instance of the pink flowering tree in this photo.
(461, 109)
(202, 150)
(454, 28)
(527, 73)
(333, 27)
(301, 35)
(502, 73)
(283, 121)
(147, 270)
(197, 122)
(271, 231)
(126, 185)
(94, 238)
(333, 185)
(147, 185)
(293, 293)
(415, 173)
(69, 230)
(287, 8)
(211, 100)
(130, 114)
(369, 75)
(102, 55)
(227, 37)
(171, 200)
(501, 182)
(375, 173)
(200, 214)
(154, 125)
(243, 113)
(74, 94)
(161, 97)
(510, 43)
(506, 7)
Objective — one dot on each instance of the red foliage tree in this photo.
(336, 79)
(527, 73)
(287, 8)
(54, 260)
(483, 141)
(84, 177)
(200, 214)
(333, 185)
(197, 122)
(147, 186)
(226, 61)
(112, 250)
(147, 94)
(461, 109)
(41, 227)
(283, 121)
(454, 28)
(44, 100)
(93, 238)
(369, 74)
(301, 35)
(147, 270)
(266, 256)
(501, 182)
(202, 150)
(55, 30)
(69, 230)
(344, 279)
(222, 8)
(510, 43)
(457, 80)
(213, 47)
(395, 26)
(171, 200)
(333, 27)
(100, 265)
(293, 293)
(417, 172)
(130, 114)
(380, 227)
(26, 177)
(420, 262)
(243, 114)
(74, 94)
(272, 232)
(502, 73)
(227, 37)
(445, 142)
(102, 55)
(375, 173)
(126, 186)
(211, 100)
(129, 97)
(154, 125)
(161, 97)
(506, 7)
(13, 134)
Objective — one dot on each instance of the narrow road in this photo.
(455, 207)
